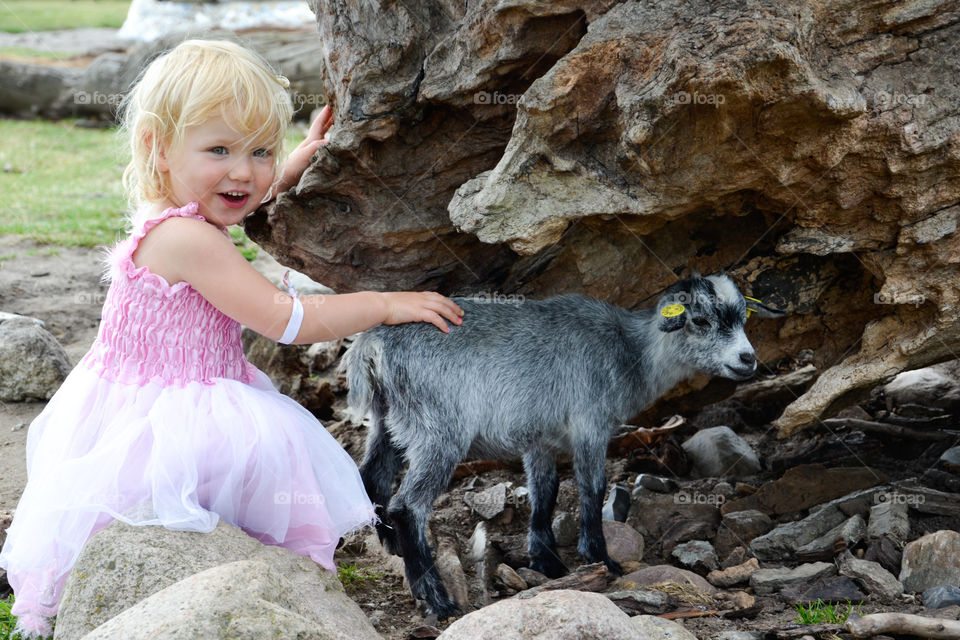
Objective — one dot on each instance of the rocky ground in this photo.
(857, 489)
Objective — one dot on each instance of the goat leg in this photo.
(588, 462)
(541, 468)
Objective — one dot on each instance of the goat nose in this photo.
(748, 358)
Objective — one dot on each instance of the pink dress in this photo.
(164, 422)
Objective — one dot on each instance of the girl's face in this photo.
(217, 168)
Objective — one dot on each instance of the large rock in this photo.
(719, 452)
(767, 581)
(122, 566)
(931, 561)
(874, 578)
(602, 147)
(928, 387)
(32, 362)
(557, 615)
(805, 486)
(782, 542)
(739, 528)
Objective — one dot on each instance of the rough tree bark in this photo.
(811, 149)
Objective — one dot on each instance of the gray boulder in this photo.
(176, 583)
(931, 561)
(558, 615)
(719, 452)
(929, 387)
(32, 363)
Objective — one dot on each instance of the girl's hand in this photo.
(422, 306)
(299, 159)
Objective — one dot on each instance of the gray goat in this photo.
(527, 379)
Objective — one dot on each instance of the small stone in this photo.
(850, 532)
(719, 452)
(942, 596)
(888, 519)
(931, 561)
(696, 555)
(874, 578)
(531, 577)
(648, 601)
(510, 578)
(617, 505)
(566, 529)
(664, 573)
(768, 581)
(656, 483)
(951, 459)
(488, 503)
(724, 489)
(740, 635)
(734, 575)
(783, 541)
(655, 628)
(735, 557)
(837, 589)
(624, 543)
(740, 528)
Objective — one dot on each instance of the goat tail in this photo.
(362, 364)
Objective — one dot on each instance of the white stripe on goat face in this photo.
(727, 295)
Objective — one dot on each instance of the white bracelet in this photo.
(293, 326)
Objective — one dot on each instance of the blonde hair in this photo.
(195, 81)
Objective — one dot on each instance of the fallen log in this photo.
(886, 429)
(589, 577)
(644, 437)
(905, 623)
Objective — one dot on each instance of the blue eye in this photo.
(262, 153)
(218, 150)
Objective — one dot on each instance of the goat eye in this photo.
(701, 322)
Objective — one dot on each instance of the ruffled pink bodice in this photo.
(151, 331)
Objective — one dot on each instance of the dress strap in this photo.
(119, 258)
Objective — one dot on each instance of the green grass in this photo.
(7, 619)
(29, 53)
(61, 184)
(354, 578)
(18, 16)
(820, 613)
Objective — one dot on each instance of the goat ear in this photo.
(755, 308)
(672, 317)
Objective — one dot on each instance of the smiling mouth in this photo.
(234, 199)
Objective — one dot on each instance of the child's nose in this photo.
(241, 169)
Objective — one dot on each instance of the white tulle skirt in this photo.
(180, 457)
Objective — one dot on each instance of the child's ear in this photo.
(163, 165)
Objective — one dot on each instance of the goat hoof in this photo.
(444, 609)
(613, 567)
(552, 568)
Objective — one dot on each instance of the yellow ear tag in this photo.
(749, 309)
(672, 310)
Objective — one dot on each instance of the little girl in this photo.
(164, 422)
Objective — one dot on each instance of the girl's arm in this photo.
(186, 249)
